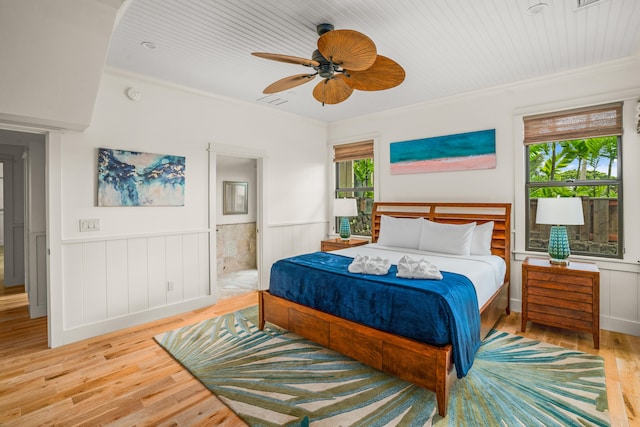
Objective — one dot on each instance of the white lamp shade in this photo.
(345, 207)
(560, 211)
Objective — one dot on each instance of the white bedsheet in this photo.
(486, 272)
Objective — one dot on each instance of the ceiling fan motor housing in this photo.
(326, 69)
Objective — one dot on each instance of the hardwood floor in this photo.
(124, 378)
(10, 290)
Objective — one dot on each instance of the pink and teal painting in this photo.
(130, 178)
(462, 151)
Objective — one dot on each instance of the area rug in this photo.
(276, 378)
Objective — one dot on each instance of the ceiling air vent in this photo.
(273, 100)
(585, 3)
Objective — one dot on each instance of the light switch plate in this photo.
(90, 225)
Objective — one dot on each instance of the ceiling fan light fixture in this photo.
(326, 71)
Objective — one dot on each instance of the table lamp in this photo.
(345, 208)
(558, 212)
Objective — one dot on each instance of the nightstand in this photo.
(333, 244)
(562, 296)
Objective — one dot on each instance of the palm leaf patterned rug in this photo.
(276, 378)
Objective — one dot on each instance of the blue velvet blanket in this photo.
(436, 312)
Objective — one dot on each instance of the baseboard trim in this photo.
(114, 324)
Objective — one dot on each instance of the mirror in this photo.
(235, 198)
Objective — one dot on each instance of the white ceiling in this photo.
(446, 47)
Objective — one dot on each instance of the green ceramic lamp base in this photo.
(345, 228)
(559, 245)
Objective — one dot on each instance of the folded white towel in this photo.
(417, 269)
(377, 266)
(366, 265)
(358, 263)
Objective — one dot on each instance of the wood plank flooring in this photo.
(124, 378)
(121, 379)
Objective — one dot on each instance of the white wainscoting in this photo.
(290, 239)
(117, 282)
(619, 294)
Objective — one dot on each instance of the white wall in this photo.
(118, 275)
(502, 109)
(54, 81)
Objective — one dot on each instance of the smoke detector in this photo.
(133, 94)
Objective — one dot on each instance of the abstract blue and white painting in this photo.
(130, 178)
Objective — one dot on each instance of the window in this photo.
(577, 154)
(354, 179)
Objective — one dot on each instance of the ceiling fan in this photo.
(346, 60)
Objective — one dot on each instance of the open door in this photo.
(13, 188)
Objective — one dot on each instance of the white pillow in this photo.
(400, 232)
(481, 239)
(452, 239)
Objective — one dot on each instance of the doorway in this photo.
(23, 200)
(236, 238)
(236, 225)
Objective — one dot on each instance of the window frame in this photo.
(359, 154)
(338, 190)
(529, 185)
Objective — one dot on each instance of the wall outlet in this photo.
(169, 285)
(89, 225)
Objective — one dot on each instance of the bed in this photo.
(427, 361)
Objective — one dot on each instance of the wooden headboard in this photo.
(454, 213)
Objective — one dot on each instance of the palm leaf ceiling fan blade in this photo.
(287, 58)
(333, 90)
(288, 83)
(350, 49)
(385, 73)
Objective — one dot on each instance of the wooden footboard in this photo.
(422, 364)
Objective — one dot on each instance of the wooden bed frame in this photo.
(425, 365)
